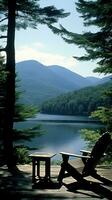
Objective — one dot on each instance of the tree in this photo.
(97, 44)
(20, 14)
(2, 93)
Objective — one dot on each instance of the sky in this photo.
(50, 49)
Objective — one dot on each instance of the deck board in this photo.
(21, 185)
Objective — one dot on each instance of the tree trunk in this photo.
(10, 87)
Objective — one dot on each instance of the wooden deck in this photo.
(19, 187)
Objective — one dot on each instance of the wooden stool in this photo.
(36, 158)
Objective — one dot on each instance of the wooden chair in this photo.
(88, 161)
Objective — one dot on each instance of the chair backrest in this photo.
(97, 153)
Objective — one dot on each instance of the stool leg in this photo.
(33, 171)
(38, 169)
(47, 169)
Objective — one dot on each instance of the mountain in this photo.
(93, 80)
(73, 78)
(97, 81)
(105, 79)
(39, 82)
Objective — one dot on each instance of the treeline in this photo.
(81, 102)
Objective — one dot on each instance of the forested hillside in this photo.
(81, 102)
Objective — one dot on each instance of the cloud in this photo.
(39, 45)
(38, 52)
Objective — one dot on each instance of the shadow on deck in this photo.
(19, 186)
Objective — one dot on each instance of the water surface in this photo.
(58, 135)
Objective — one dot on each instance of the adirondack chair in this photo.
(87, 166)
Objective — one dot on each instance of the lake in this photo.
(61, 133)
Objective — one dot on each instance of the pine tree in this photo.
(20, 14)
(2, 93)
(97, 44)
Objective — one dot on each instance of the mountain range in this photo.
(40, 83)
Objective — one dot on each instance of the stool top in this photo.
(42, 155)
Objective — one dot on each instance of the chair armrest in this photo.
(74, 155)
(85, 151)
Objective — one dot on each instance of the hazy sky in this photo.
(50, 49)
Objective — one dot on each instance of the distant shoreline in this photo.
(65, 121)
(40, 117)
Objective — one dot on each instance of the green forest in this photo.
(80, 102)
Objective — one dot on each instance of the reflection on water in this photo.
(58, 136)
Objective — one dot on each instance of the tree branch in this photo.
(3, 36)
(3, 19)
(3, 49)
